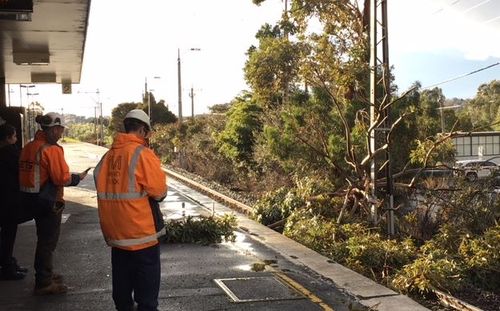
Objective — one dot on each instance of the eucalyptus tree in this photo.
(310, 74)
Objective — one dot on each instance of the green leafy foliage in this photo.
(237, 139)
(118, 114)
(86, 132)
(483, 108)
(465, 251)
(428, 273)
(203, 230)
(353, 245)
(193, 147)
(276, 205)
(428, 154)
(281, 203)
(481, 258)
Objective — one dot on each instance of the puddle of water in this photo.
(244, 267)
(240, 243)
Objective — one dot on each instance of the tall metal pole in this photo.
(179, 89)
(146, 93)
(373, 101)
(101, 130)
(8, 93)
(388, 121)
(441, 114)
(62, 116)
(95, 126)
(149, 106)
(378, 106)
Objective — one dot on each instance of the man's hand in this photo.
(84, 173)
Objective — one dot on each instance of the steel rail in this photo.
(219, 197)
(454, 303)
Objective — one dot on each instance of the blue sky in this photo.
(430, 69)
(436, 40)
(430, 41)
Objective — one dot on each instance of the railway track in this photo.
(455, 303)
(219, 197)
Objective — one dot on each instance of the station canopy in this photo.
(42, 41)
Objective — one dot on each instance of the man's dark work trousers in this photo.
(48, 228)
(137, 272)
(7, 238)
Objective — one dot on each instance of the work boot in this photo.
(18, 267)
(12, 262)
(11, 274)
(52, 289)
(57, 278)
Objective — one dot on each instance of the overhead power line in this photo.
(462, 76)
(441, 9)
(475, 6)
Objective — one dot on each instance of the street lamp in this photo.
(179, 84)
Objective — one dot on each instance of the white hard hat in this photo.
(50, 119)
(139, 115)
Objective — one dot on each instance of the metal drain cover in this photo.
(257, 289)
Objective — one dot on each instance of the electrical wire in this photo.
(462, 76)
(475, 6)
(441, 9)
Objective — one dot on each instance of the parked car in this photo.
(474, 169)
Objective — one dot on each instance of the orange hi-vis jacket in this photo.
(127, 176)
(41, 161)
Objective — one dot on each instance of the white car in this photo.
(474, 169)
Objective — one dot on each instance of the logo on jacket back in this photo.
(26, 165)
(115, 165)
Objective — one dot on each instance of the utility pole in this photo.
(191, 94)
(8, 92)
(95, 125)
(20, 96)
(179, 86)
(441, 114)
(179, 90)
(101, 121)
(64, 122)
(146, 93)
(379, 106)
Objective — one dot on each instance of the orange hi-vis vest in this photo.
(127, 176)
(41, 161)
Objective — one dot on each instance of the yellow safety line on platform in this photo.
(304, 291)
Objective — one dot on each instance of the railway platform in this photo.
(194, 277)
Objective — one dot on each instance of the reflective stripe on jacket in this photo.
(126, 177)
(41, 161)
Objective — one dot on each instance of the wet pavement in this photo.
(194, 277)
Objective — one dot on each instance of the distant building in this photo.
(478, 145)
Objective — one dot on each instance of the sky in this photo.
(429, 40)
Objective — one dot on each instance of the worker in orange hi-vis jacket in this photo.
(43, 173)
(130, 183)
